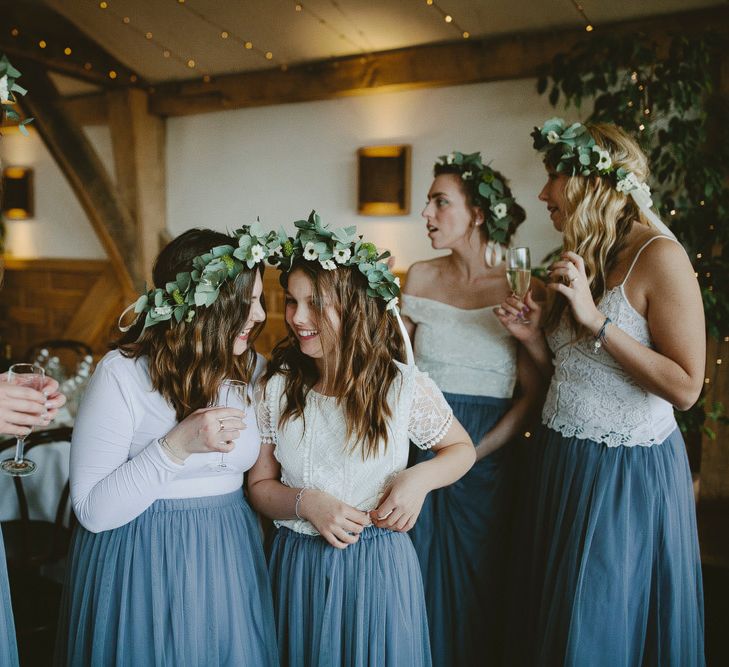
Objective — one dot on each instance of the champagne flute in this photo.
(232, 394)
(26, 375)
(519, 274)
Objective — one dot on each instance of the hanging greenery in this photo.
(666, 97)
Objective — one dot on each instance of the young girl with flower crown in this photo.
(336, 412)
(461, 537)
(606, 566)
(167, 566)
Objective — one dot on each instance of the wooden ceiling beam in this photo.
(467, 61)
(77, 159)
(25, 24)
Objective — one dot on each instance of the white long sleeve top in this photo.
(118, 468)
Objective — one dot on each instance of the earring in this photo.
(493, 255)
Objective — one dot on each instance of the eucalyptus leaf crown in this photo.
(9, 90)
(200, 287)
(315, 242)
(488, 191)
(573, 151)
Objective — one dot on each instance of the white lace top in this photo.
(464, 351)
(591, 396)
(318, 456)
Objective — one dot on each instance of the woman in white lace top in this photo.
(607, 567)
(461, 537)
(337, 412)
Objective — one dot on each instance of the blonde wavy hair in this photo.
(189, 361)
(598, 218)
(368, 342)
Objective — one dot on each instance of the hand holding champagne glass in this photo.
(519, 274)
(25, 375)
(232, 394)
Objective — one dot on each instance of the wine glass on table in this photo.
(232, 395)
(25, 375)
(519, 274)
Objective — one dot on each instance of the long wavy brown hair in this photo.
(189, 361)
(367, 344)
(598, 218)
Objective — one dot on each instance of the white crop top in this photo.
(118, 469)
(320, 457)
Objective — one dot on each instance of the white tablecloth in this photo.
(42, 488)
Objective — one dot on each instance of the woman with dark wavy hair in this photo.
(167, 566)
(336, 414)
(462, 535)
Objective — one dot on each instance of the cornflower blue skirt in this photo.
(462, 538)
(184, 585)
(8, 647)
(354, 607)
(607, 568)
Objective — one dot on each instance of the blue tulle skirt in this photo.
(356, 607)
(184, 584)
(461, 538)
(607, 568)
(8, 647)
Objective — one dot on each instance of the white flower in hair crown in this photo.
(315, 242)
(200, 287)
(487, 189)
(579, 155)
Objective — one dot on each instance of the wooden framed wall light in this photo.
(383, 180)
(17, 193)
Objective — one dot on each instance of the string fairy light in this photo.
(448, 18)
(226, 33)
(589, 25)
(305, 9)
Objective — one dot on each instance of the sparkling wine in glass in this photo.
(232, 394)
(25, 375)
(519, 273)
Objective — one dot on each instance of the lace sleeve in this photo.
(265, 414)
(430, 415)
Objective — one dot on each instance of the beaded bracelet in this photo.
(299, 496)
(601, 336)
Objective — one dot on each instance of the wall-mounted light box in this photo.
(17, 193)
(383, 180)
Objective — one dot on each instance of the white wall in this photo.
(60, 227)
(279, 162)
(224, 169)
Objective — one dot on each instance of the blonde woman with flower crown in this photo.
(462, 535)
(607, 568)
(336, 414)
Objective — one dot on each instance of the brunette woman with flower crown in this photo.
(167, 567)
(462, 535)
(337, 410)
(607, 568)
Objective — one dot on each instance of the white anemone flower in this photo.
(466, 175)
(342, 255)
(328, 264)
(604, 161)
(4, 92)
(277, 251)
(257, 253)
(552, 137)
(500, 210)
(450, 158)
(310, 252)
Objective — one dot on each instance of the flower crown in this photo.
(200, 287)
(488, 190)
(579, 155)
(9, 90)
(314, 242)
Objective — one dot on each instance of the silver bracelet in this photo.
(601, 336)
(299, 496)
(164, 443)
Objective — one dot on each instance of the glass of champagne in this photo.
(232, 395)
(25, 375)
(519, 274)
